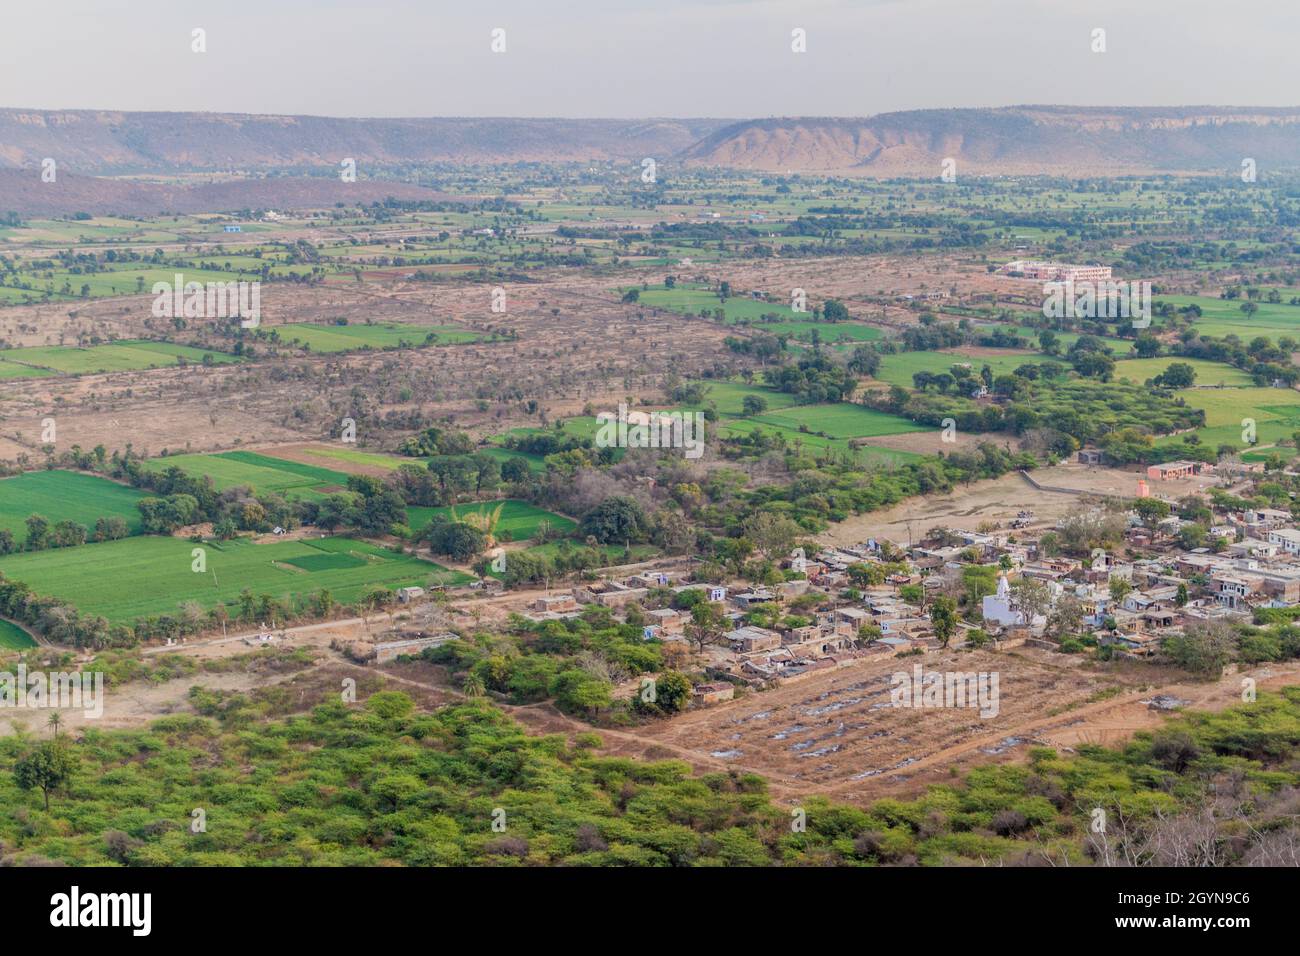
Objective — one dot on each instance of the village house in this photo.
(555, 603)
(702, 695)
(667, 620)
(1288, 539)
(1131, 644)
(1266, 518)
(713, 593)
(750, 639)
(1172, 470)
(746, 599)
(609, 594)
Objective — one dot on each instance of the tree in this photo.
(487, 472)
(753, 405)
(615, 520)
(943, 618)
(1204, 647)
(111, 528)
(46, 768)
(577, 690)
(1147, 346)
(1066, 617)
(458, 540)
(515, 470)
(1177, 375)
(1151, 510)
(834, 311)
(1192, 536)
(38, 533)
(773, 534)
(1032, 597)
(672, 692)
(706, 626)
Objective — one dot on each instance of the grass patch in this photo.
(144, 576)
(14, 638)
(65, 496)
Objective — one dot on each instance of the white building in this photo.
(997, 607)
(1286, 538)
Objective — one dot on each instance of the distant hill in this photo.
(240, 150)
(23, 192)
(97, 141)
(1016, 140)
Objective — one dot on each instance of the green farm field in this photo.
(863, 454)
(348, 338)
(260, 472)
(899, 369)
(1207, 373)
(691, 300)
(143, 576)
(729, 397)
(1222, 317)
(519, 518)
(536, 463)
(841, 420)
(1275, 412)
(14, 638)
(351, 456)
(65, 496)
(118, 357)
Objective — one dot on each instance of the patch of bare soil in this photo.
(301, 452)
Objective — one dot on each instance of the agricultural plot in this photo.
(729, 397)
(1220, 317)
(694, 300)
(840, 427)
(519, 520)
(259, 472)
(1275, 413)
(117, 357)
(536, 463)
(14, 638)
(812, 442)
(65, 496)
(349, 338)
(841, 420)
(1207, 373)
(1118, 347)
(350, 456)
(899, 369)
(12, 370)
(144, 576)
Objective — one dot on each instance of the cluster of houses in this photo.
(834, 634)
(1255, 563)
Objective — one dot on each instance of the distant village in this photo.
(876, 598)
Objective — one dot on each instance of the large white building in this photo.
(1057, 271)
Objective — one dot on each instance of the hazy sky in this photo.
(630, 58)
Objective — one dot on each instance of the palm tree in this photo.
(55, 719)
(485, 521)
(472, 685)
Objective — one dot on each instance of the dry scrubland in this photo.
(592, 350)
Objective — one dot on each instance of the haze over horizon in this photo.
(642, 59)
